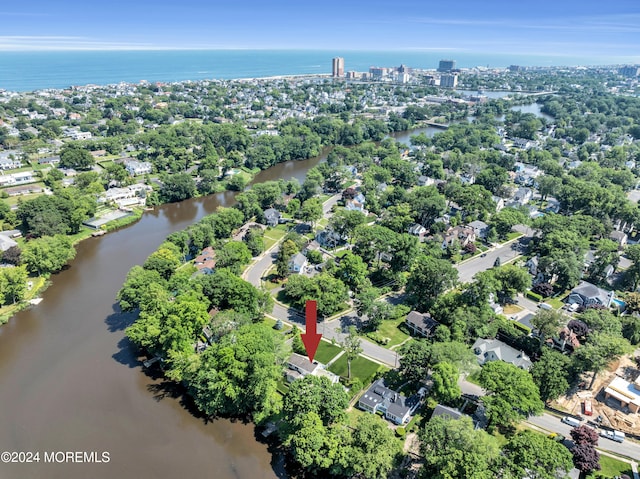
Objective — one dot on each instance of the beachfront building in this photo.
(337, 70)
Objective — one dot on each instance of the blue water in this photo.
(27, 71)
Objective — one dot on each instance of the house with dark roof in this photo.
(495, 350)
(272, 216)
(450, 412)
(587, 294)
(421, 323)
(299, 366)
(393, 405)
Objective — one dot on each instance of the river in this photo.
(70, 381)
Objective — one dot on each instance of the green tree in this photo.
(14, 283)
(453, 448)
(352, 271)
(445, 383)
(344, 222)
(511, 393)
(352, 348)
(178, 187)
(599, 351)
(318, 395)
(428, 279)
(47, 255)
(547, 322)
(233, 255)
(374, 449)
(165, 260)
(415, 360)
(551, 374)
(138, 281)
(239, 374)
(533, 455)
(286, 251)
(506, 219)
(254, 239)
(76, 157)
(311, 210)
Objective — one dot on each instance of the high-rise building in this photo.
(449, 81)
(629, 71)
(337, 70)
(446, 65)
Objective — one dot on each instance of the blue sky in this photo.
(580, 28)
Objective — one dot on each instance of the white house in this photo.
(135, 167)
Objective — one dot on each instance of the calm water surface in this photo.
(70, 381)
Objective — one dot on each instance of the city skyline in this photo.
(590, 30)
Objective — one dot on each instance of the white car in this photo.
(617, 436)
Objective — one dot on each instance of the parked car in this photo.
(617, 436)
(483, 255)
(571, 421)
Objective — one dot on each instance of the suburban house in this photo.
(272, 216)
(49, 160)
(7, 163)
(205, 262)
(421, 323)
(587, 294)
(416, 229)
(566, 339)
(297, 263)
(450, 412)
(329, 238)
(349, 193)
(628, 394)
(6, 242)
(480, 228)
(135, 167)
(495, 350)
(522, 196)
(299, 366)
(394, 406)
(619, 237)
(499, 202)
(462, 234)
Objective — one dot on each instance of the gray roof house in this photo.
(417, 229)
(421, 323)
(393, 405)
(297, 263)
(495, 350)
(619, 237)
(6, 242)
(450, 412)
(587, 294)
(300, 366)
(480, 228)
(272, 216)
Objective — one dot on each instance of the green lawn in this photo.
(326, 352)
(361, 368)
(396, 330)
(555, 302)
(272, 322)
(513, 235)
(273, 235)
(612, 467)
(13, 200)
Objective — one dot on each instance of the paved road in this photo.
(506, 252)
(553, 424)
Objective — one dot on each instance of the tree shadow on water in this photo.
(127, 353)
(119, 320)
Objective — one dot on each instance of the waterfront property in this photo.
(394, 406)
(299, 366)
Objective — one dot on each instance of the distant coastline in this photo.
(23, 71)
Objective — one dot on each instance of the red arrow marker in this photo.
(310, 338)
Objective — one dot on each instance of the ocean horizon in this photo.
(23, 71)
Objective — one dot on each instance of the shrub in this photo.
(400, 431)
(534, 296)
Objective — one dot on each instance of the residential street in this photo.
(506, 252)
